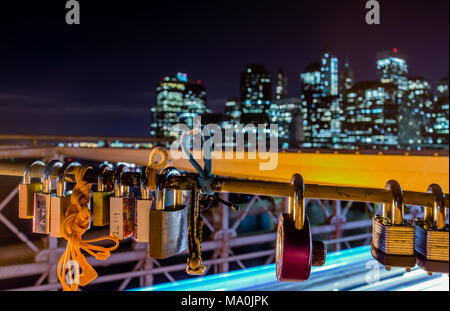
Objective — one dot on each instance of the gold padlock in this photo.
(168, 225)
(27, 189)
(42, 201)
(101, 198)
(60, 202)
(142, 207)
(121, 208)
(392, 234)
(431, 233)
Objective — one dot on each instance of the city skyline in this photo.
(111, 62)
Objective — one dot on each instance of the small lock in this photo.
(431, 233)
(42, 201)
(101, 199)
(27, 189)
(142, 207)
(60, 202)
(391, 234)
(168, 225)
(121, 208)
(295, 251)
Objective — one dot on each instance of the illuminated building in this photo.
(177, 101)
(392, 68)
(346, 78)
(281, 85)
(440, 116)
(320, 103)
(371, 113)
(232, 117)
(286, 113)
(256, 89)
(415, 109)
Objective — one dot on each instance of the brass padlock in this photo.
(142, 207)
(168, 225)
(27, 189)
(392, 234)
(121, 208)
(101, 198)
(431, 233)
(60, 202)
(42, 201)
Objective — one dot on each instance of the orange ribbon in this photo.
(78, 217)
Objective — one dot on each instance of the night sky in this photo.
(99, 78)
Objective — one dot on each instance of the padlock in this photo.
(101, 198)
(142, 207)
(295, 250)
(431, 233)
(27, 189)
(42, 201)
(389, 261)
(168, 225)
(121, 208)
(391, 234)
(60, 202)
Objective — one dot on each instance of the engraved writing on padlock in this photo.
(431, 233)
(42, 201)
(142, 207)
(121, 208)
(391, 234)
(168, 225)
(27, 189)
(101, 199)
(60, 202)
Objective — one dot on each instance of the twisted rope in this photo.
(78, 217)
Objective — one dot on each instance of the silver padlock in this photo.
(168, 225)
(60, 202)
(121, 208)
(42, 201)
(142, 207)
(27, 189)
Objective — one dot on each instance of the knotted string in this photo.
(78, 217)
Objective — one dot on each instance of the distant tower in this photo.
(392, 68)
(256, 89)
(346, 78)
(281, 85)
(329, 74)
(177, 101)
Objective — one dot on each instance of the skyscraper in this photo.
(346, 78)
(371, 114)
(440, 116)
(281, 85)
(414, 110)
(256, 89)
(392, 68)
(320, 103)
(177, 101)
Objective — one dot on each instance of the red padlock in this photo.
(295, 250)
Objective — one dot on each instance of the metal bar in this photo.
(9, 197)
(19, 234)
(265, 188)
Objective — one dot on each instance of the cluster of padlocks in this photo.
(397, 242)
(170, 225)
(165, 222)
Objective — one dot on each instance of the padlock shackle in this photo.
(394, 210)
(145, 192)
(437, 217)
(118, 187)
(100, 181)
(61, 184)
(27, 172)
(48, 172)
(297, 202)
(161, 191)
